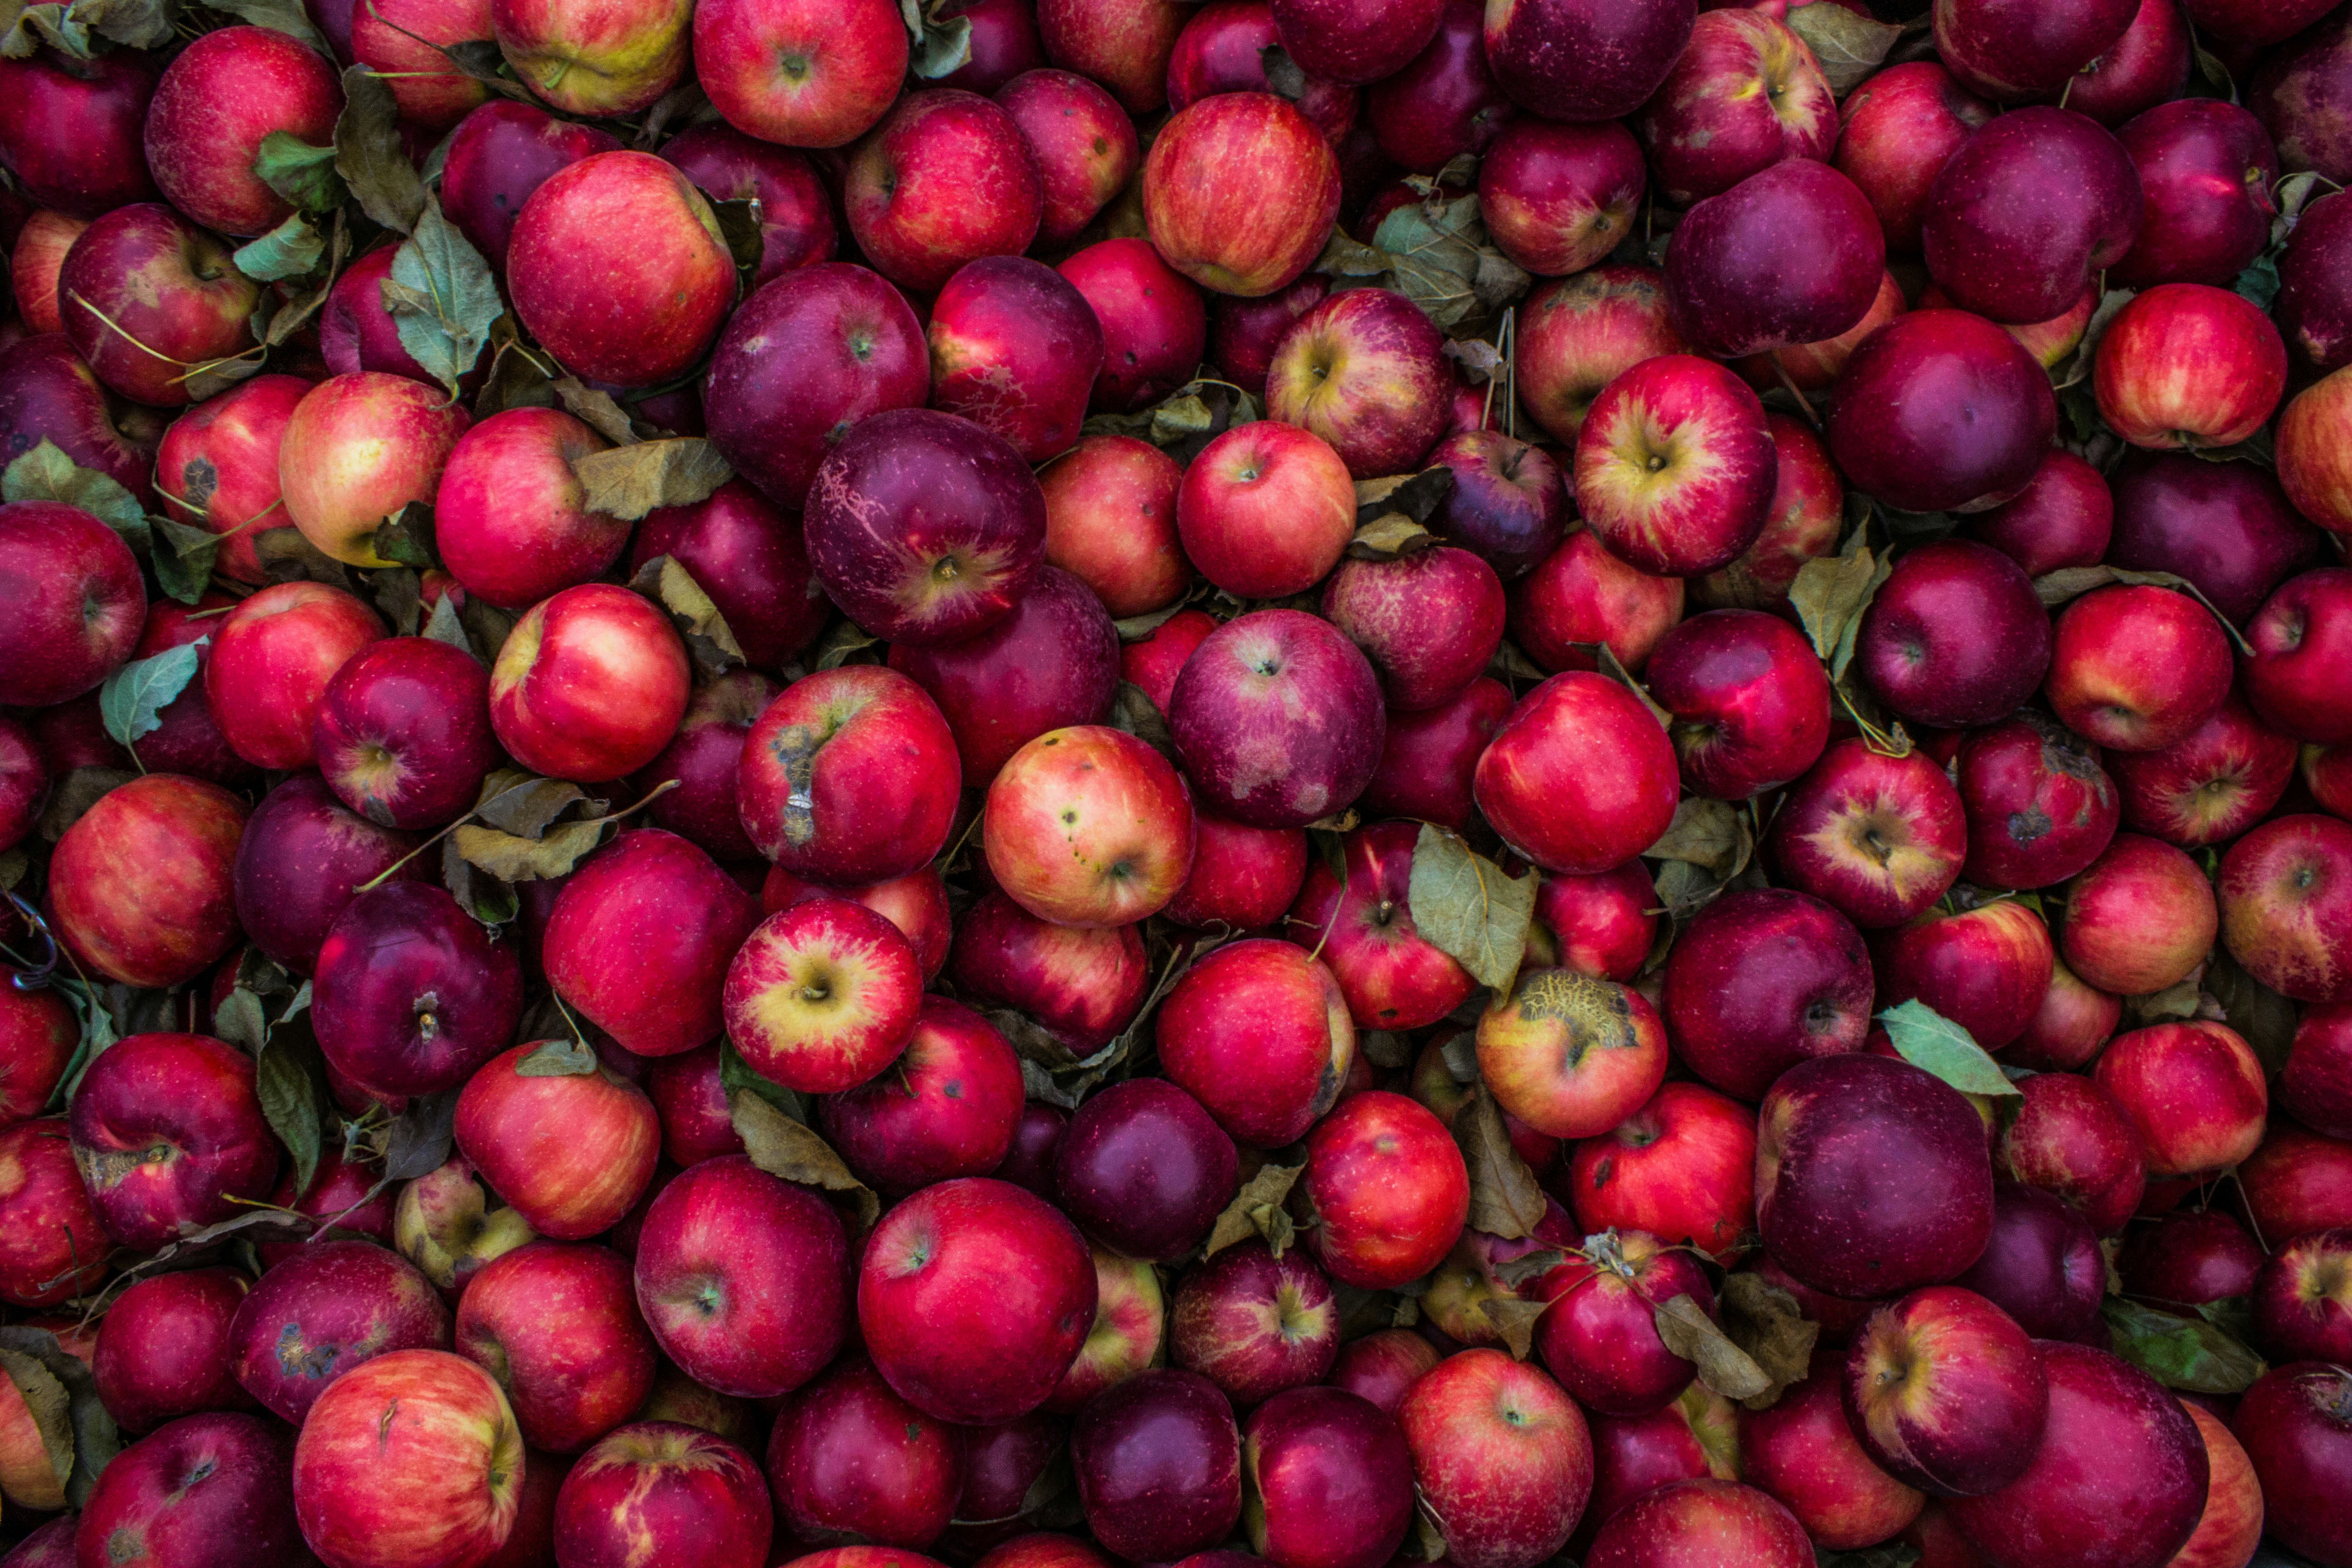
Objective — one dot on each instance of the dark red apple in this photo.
(1330, 1481)
(2039, 806)
(2063, 517)
(1583, 61)
(1944, 1390)
(411, 995)
(1159, 1465)
(1052, 662)
(946, 178)
(849, 1457)
(1792, 254)
(502, 151)
(1878, 837)
(1941, 410)
(1278, 719)
(332, 1306)
(796, 222)
(2027, 211)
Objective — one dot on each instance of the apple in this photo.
(1015, 348)
(1508, 504)
(1429, 621)
(2039, 806)
(2073, 1137)
(1986, 969)
(332, 1306)
(1242, 878)
(2312, 302)
(1239, 191)
(1255, 1324)
(2015, 53)
(213, 106)
(2043, 1265)
(1052, 662)
(1266, 509)
(218, 468)
(2137, 669)
(1792, 254)
(850, 1457)
(71, 132)
(2255, 21)
(1383, 1367)
(140, 887)
(402, 40)
(703, 759)
(1001, 1463)
(2190, 1256)
(403, 733)
(164, 1349)
(2315, 1088)
(1154, 322)
(39, 251)
(1750, 702)
(38, 1034)
(1088, 827)
(1445, 102)
(300, 862)
(1565, 803)
(2147, 66)
(2323, 771)
(641, 937)
(1570, 1056)
(1599, 1335)
(1814, 367)
(974, 1296)
(570, 1153)
(616, 63)
(1582, 61)
(1278, 719)
(1159, 1465)
(1144, 1170)
(821, 996)
(2232, 1524)
(2294, 1427)
(1940, 411)
(1153, 660)
(2311, 466)
(1328, 1481)
(743, 1279)
(1130, 1315)
(1878, 837)
(1362, 928)
(2235, 536)
(1744, 94)
(2188, 365)
(2022, 214)
(2063, 517)
(1389, 1187)
(204, 1488)
(2283, 910)
(557, 1325)
(1955, 637)
(589, 685)
(1946, 1392)
(1224, 49)
(1801, 1452)
(2209, 786)
(1761, 981)
(2206, 171)
(77, 599)
(357, 332)
(2139, 919)
(946, 177)
(442, 1223)
(411, 996)
(2303, 1298)
(1900, 127)
(1840, 1121)
(510, 519)
(1682, 1168)
(1578, 334)
(809, 73)
(2298, 1182)
(849, 777)
(1581, 594)
(1364, 370)
(1258, 1032)
(1734, 1522)
(949, 1108)
(598, 235)
(1674, 467)
(53, 1247)
(1110, 522)
(1080, 984)
(2193, 1089)
(1123, 43)
(2297, 637)
(690, 1097)
(502, 151)
(664, 1489)
(1502, 1457)
(47, 392)
(150, 301)
(1085, 145)
(1428, 760)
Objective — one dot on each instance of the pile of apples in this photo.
(1059, 782)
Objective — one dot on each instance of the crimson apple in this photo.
(806, 73)
(403, 733)
(589, 685)
(1744, 94)
(1159, 1465)
(216, 102)
(2295, 1430)
(666, 1491)
(2040, 807)
(2043, 1265)
(1110, 522)
(2285, 890)
(217, 465)
(2310, 455)
(52, 1247)
(2315, 1086)
(47, 392)
(411, 995)
(142, 885)
(1802, 1451)
(2063, 517)
(1581, 594)
(2188, 365)
(2302, 634)
(150, 301)
(641, 937)
(1945, 1391)
(1750, 702)
(77, 602)
(1389, 1187)
(1242, 878)
(332, 1306)
(38, 1033)
(2141, 917)
(2147, 66)
(1899, 129)
(849, 777)
(1578, 334)
(2024, 214)
(1582, 60)
(2212, 785)
(164, 1349)
(848, 1456)
(205, 1491)
(1258, 1032)
(1599, 1334)
(2072, 1136)
(557, 1326)
(1986, 969)
(401, 42)
(821, 996)
(1580, 777)
(2137, 669)
(1501, 1455)
(1255, 1324)
(1239, 191)
(1330, 1482)
(70, 133)
(358, 449)
(1674, 467)
(946, 177)
(502, 151)
(1941, 410)
(1761, 981)
(1364, 371)
(948, 1110)
(571, 1152)
(1878, 837)
(1015, 348)
(1278, 719)
(300, 862)
(1792, 254)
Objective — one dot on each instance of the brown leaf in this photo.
(1847, 46)
(1723, 1366)
(595, 409)
(1254, 1211)
(704, 629)
(630, 482)
(1515, 1320)
(1504, 1199)
(1764, 1320)
(785, 1148)
(47, 1402)
(1416, 496)
(1513, 1272)
(558, 1058)
(82, 789)
(1389, 536)
(522, 803)
(511, 859)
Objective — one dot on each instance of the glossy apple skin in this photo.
(141, 888)
(1364, 371)
(2193, 1089)
(1158, 1460)
(615, 227)
(1944, 1391)
(1562, 802)
(1899, 129)
(38, 1033)
(2188, 365)
(1580, 333)
(2043, 1265)
(1144, 1170)
(1985, 969)
(77, 598)
(557, 1326)
(821, 996)
(1242, 876)
(2117, 1446)
(1383, 1367)
(946, 178)
(1088, 827)
(1837, 1124)
(1507, 505)
(1330, 1481)
(2015, 53)
(359, 447)
(881, 776)
(2284, 895)
(1000, 1464)
(164, 1349)
(2300, 635)
(412, 1459)
(692, 1102)
(1051, 663)
(214, 105)
(1941, 410)
(1732, 1522)
(2315, 299)
(2139, 919)
(642, 935)
(1277, 718)
(1570, 1055)
(403, 733)
(1085, 146)
(39, 251)
(2231, 1527)
(1675, 465)
(1955, 637)
(500, 154)
(411, 995)
(1732, 272)
(664, 1489)
(589, 685)
(2315, 1088)
(1600, 1336)
(1801, 1452)
(743, 1279)
(2063, 517)
(1582, 62)
(974, 1296)
(332, 1306)
(1082, 985)
(2295, 1427)
(2300, 1312)
(2137, 669)
(849, 1456)
(2190, 1256)
(2022, 218)
(1582, 594)
(1110, 522)
(270, 663)
(1255, 1324)
(1222, 50)
(1239, 191)
(2210, 785)
(1392, 976)
(1259, 1033)
(2039, 806)
(1429, 621)
(1682, 1168)
(2298, 1182)
(48, 392)
(1813, 367)
(1015, 348)
(1502, 1456)
(2206, 169)
(1601, 925)
(1761, 981)
(1127, 1332)
(571, 1153)
(698, 770)
(1743, 95)
(2235, 536)
(55, 1244)
(949, 1108)
(1751, 703)
(1391, 1189)
(71, 137)
(401, 40)
(1442, 103)
(803, 75)
(217, 467)
(510, 519)
(174, 298)
(205, 1489)
(2147, 66)
(299, 863)
(1879, 838)
(797, 218)
(2312, 466)
(2074, 1138)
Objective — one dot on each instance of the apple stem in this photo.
(1794, 390)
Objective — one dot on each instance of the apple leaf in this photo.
(1764, 1320)
(1831, 592)
(94, 1440)
(1438, 257)
(1723, 1367)
(595, 409)
(421, 1137)
(1417, 495)
(1505, 1197)
(45, 473)
(2258, 283)
(301, 172)
(292, 249)
(132, 700)
(1846, 45)
(790, 1150)
(1462, 902)
(1132, 710)
(735, 1073)
(1256, 1211)
(285, 17)
(558, 1058)
(183, 556)
(443, 624)
(290, 1080)
(1197, 412)
(512, 858)
(1709, 833)
(369, 157)
(75, 794)
(629, 481)
(45, 1401)
(705, 631)
(1926, 1038)
(2190, 1354)
(1389, 536)
(1515, 1320)
(442, 298)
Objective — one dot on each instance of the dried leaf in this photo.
(844, 642)
(788, 1148)
(80, 790)
(630, 482)
(132, 700)
(1417, 495)
(511, 859)
(45, 473)
(2262, 1017)
(735, 1074)
(1846, 45)
(1513, 1272)
(1253, 1210)
(46, 1402)
(368, 155)
(699, 621)
(1926, 1038)
(941, 45)
(1764, 1320)
(1505, 1197)
(1709, 833)
(1829, 595)
(443, 625)
(407, 538)
(2191, 1353)
(1133, 711)
(595, 409)
(1516, 1320)
(1438, 257)
(95, 1440)
(558, 1058)
(1723, 1367)
(1464, 904)
(292, 249)
(1388, 536)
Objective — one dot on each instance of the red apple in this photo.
(822, 996)
(1159, 1465)
(1277, 717)
(216, 103)
(2137, 669)
(1126, 1339)
(403, 733)
(1581, 594)
(1563, 805)
(557, 1326)
(1750, 702)
(2141, 917)
(1110, 522)
(1675, 465)
(1429, 758)
(2212, 785)
(1390, 1188)
(1761, 981)
(141, 885)
(1878, 837)
(72, 133)
(2074, 1138)
(2063, 517)
(1242, 878)
(589, 685)
(1088, 827)
(1258, 1032)
(332, 1306)
(641, 937)
(78, 602)
(301, 861)
(358, 450)
(2311, 465)
(2301, 633)
(948, 177)
(505, 150)
(1682, 1168)
(570, 1153)
(1599, 1334)
(849, 777)
(1015, 349)
(2284, 893)
(2193, 1089)
(1792, 254)
(665, 1490)
(2023, 214)
(2206, 171)
(2188, 365)
(617, 62)
(1580, 61)
(54, 1247)
(2294, 1429)
(1570, 1056)
(2315, 1088)
(38, 1034)
(1986, 969)
(1941, 410)
(510, 519)
(1744, 94)
(1240, 192)
(1144, 1170)
(1899, 129)
(850, 1457)
(217, 467)
(1364, 370)
(2014, 52)
(1052, 662)
(2147, 66)
(47, 392)
(411, 996)
(1955, 637)
(401, 41)
(949, 1108)
(152, 302)
(1502, 1457)
(1579, 334)
(164, 1349)
(1255, 1324)
(802, 74)
(1945, 1391)
(39, 251)
(2040, 807)
(1801, 1452)
(1330, 1481)
(205, 1489)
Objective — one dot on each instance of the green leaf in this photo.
(132, 700)
(1256, 1211)
(735, 1074)
(1926, 1038)
(134, 23)
(1438, 257)
(1133, 711)
(290, 1078)
(303, 174)
(1846, 45)
(442, 298)
(1462, 902)
(443, 624)
(2259, 282)
(286, 16)
(2189, 1354)
(421, 1137)
(292, 249)
(558, 1058)
(183, 556)
(629, 481)
(45, 473)
(407, 538)
(369, 157)
(1832, 591)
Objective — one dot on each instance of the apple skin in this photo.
(1328, 1481)
(1744, 94)
(1502, 1455)
(1088, 827)
(2075, 1139)
(1445, 102)
(1940, 411)
(1429, 621)
(2117, 1447)
(214, 105)
(1110, 522)
(1581, 593)
(692, 1102)
(24, 781)
(443, 1224)
(332, 1306)
(270, 664)
(1355, 41)
(974, 1296)
(2315, 1088)
(1085, 145)
(1985, 969)
(1362, 928)
(1052, 662)
(358, 449)
(71, 137)
(557, 1326)
(510, 519)
(1015, 348)
(1266, 509)
(411, 994)
(1082, 985)
(1242, 876)
(1000, 1464)
(1240, 192)
(1814, 367)
(2235, 537)
(1580, 333)
(1570, 1056)
(2147, 66)
(2190, 1256)
(502, 151)
(703, 760)
(949, 1108)
(1733, 269)
(1801, 524)
(1801, 1452)
(2314, 305)
(1127, 1333)
(50, 1545)
(751, 559)
(2194, 1091)
(1955, 637)
(1750, 702)
(2188, 365)
(1944, 1391)
(1159, 1465)
(1222, 50)
(1391, 1187)
(2064, 516)
(1255, 1324)
(946, 178)
(743, 1279)
(880, 775)
(1154, 322)
(38, 1033)
(570, 1153)
(1600, 1336)
(1879, 838)
(40, 250)
(2141, 917)
(1730, 1523)
(2022, 216)
(2285, 892)
(1682, 1168)
(1507, 505)
(1144, 1170)
(403, 733)
(401, 40)
(1761, 981)
(205, 1489)
(848, 1457)
(2206, 169)
(2039, 806)
(1837, 1124)
(641, 937)
(2311, 464)
(1428, 758)
(2302, 633)
(2015, 53)
(1278, 719)
(1383, 1367)
(164, 1349)
(48, 392)
(2298, 1182)
(821, 996)
(1580, 778)
(2043, 1265)
(1900, 127)
(1365, 371)
(2231, 1527)
(141, 885)
(217, 466)
(171, 292)
(357, 333)
(77, 602)
(589, 685)
(1582, 61)
(2209, 786)
(1675, 465)
(1258, 1032)
(2294, 1428)
(802, 74)
(55, 1245)
(666, 1489)
(610, 62)
(2137, 669)
(2303, 1298)
(299, 863)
